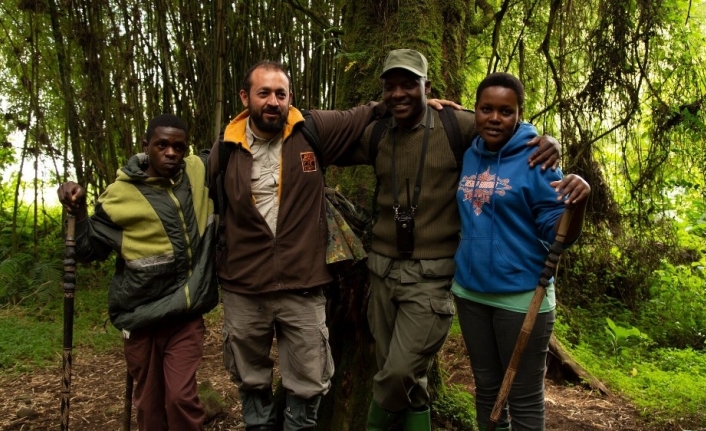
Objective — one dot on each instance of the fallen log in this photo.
(562, 365)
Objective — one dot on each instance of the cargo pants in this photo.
(410, 313)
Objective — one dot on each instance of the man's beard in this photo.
(273, 126)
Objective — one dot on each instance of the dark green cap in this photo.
(407, 59)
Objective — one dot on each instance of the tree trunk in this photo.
(220, 53)
(346, 406)
(439, 29)
(371, 29)
(67, 91)
(18, 187)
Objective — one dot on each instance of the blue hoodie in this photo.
(508, 212)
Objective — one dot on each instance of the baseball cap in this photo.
(407, 59)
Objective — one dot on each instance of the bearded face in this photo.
(269, 119)
(267, 101)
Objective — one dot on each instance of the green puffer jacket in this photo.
(163, 231)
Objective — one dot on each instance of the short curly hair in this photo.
(505, 80)
(165, 120)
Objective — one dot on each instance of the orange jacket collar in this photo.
(235, 130)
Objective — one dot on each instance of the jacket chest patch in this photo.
(308, 161)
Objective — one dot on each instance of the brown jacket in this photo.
(254, 260)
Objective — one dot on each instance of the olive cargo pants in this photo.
(410, 312)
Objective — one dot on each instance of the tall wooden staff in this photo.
(540, 292)
(69, 288)
(127, 418)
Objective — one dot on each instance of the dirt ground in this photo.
(31, 402)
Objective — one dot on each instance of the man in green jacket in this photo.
(158, 218)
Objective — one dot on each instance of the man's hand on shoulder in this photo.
(439, 104)
(548, 152)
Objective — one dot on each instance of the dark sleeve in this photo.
(212, 168)
(96, 237)
(204, 155)
(360, 154)
(340, 133)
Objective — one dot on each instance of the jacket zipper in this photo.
(187, 239)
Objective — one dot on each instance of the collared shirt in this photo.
(266, 156)
(422, 121)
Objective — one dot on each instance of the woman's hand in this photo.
(571, 189)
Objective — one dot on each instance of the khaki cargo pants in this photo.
(298, 318)
(410, 312)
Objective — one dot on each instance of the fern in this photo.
(23, 278)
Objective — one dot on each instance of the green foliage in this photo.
(673, 310)
(668, 385)
(667, 305)
(457, 407)
(23, 277)
(28, 273)
(624, 339)
(212, 401)
(676, 310)
(357, 183)
(691, 209)
(25, 342)
(616, 266)
(31, 337)
(455, 327)
(31, 299)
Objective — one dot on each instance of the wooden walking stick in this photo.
(128, 401)
(69, 288)
(548, 272)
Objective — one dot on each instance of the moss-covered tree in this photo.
(441, 30)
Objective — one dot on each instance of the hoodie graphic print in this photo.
(478, 188)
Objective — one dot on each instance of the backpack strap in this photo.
(223, 159)
(221, 198)
(375, 136)
(453, 133)
(451, 127)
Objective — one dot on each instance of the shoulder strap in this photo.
(453, 133)
(223, 159)
(223, 153)
(448, 119)
(375, 136)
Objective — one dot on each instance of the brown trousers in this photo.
(162, 360)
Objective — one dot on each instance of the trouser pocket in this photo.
(440, 317)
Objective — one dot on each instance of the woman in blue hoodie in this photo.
(509, 217)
